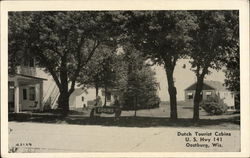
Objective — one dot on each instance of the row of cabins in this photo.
(32, 89)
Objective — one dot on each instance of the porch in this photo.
(25, 93)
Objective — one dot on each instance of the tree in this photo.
(140, 87)
(232, 74)
(101, 72)
(16, 44)
(211, 44)
(63, 42)
(232, 60)
(162, 36)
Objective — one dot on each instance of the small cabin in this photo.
(211, 89)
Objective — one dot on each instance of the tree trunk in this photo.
(135, 105)
(198, 97)
(237, 101)
(105, 95)
(63, 101)
(96, 92)
(64, 92)
(172, 92)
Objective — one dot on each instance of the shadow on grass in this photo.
(126, 121)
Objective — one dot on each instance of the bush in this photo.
(214, 106)
(143, 103)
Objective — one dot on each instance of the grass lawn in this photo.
(158, 117)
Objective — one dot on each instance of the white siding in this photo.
(28, 104)
(228, 97)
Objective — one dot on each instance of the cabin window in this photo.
(208, 94)
(11, 98)
(26, 63)
(82, 98)
(24, 94)
(232, 95)
(190, 95)
(108, 96)
(31, 62)
(32, 94)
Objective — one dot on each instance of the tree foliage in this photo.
(232, 60)
(63, 42)
(102, 71)
(137, 84)
(140, 90)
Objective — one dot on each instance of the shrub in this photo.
(214, 106)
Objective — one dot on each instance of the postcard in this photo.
(125, 78)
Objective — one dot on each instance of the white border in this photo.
(242, 5)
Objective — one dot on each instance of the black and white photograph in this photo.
(124, 81)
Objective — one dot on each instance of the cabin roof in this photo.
(27, 76)
(77, 92)
(209, 85)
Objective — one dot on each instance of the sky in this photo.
(183, 79)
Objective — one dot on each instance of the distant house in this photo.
(77, 99)
(211, 89)
(86, 98)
